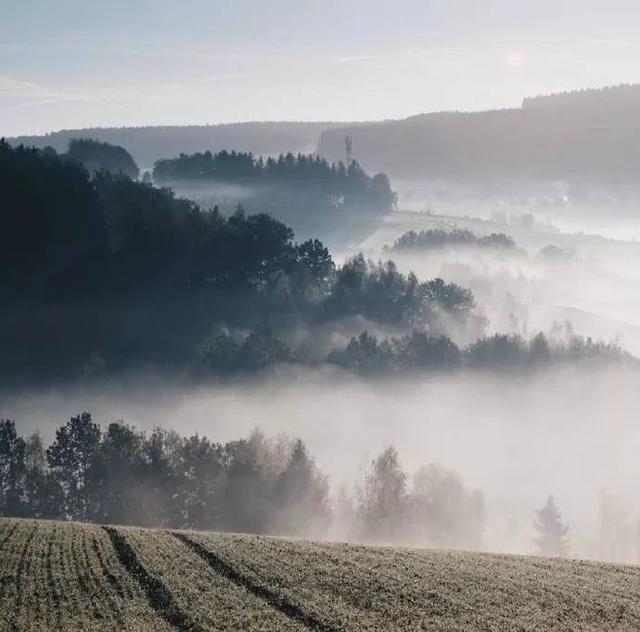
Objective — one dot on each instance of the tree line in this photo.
(121, 475)
(334, 202)
(419, 351)
(226, 355)
(260, 484)
(101, 273)
(344, 185)
(97, 156)
(66, 235)
(439, 238)
(149, 143)
(583, 138)
(161, 479)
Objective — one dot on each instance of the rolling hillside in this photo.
(68, 576)
(148, 144)
(585, 136)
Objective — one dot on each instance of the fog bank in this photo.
(567, 431)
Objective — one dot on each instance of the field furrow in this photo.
(357, 587)
(261, 591)
(61, 576)
(7, 529)
(213, 601)
(54, 579)
(158, 595)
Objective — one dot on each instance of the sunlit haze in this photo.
(73, 64)
(319, 314)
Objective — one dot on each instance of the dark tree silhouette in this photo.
(117, 469)
(439, 238)
(12, 469)
(260, 485)
(102, 273)
(44, 498)
(198, 474)
(96, 156)
(314, 197)
(73, 459)
(365, 355)
(124, 476)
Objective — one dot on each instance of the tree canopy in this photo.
(100, 272)
(438, 238)
(316, 198)
(120, 475)
(97, 156)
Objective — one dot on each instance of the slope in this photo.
(67, 576)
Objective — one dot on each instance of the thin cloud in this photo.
(349, 59)
(38, 95)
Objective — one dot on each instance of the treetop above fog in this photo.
(95, 156)
(439, 238)
(342, 186)
(100, 272)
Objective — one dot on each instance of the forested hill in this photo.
(586, 135)
(623, 97)
(148, 144)
(336, 203)
(101, 272)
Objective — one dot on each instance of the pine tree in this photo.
(552, 532)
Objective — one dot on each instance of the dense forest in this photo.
(105, 271)
(367, 355)
(148, 144)
(97, 156)
(459, 237)
(315, 198)
(582, 137)
(101, 273)
(120, 475)
(617, 98)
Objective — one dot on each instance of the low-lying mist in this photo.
(548, 278)
(571, 432)
(588, 206)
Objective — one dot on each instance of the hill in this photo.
(579, 136)
(71, 576)
(148, 144)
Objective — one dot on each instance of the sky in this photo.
(74, 64)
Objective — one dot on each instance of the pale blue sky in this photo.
(72, 63)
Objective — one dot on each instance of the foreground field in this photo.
(67, 576)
